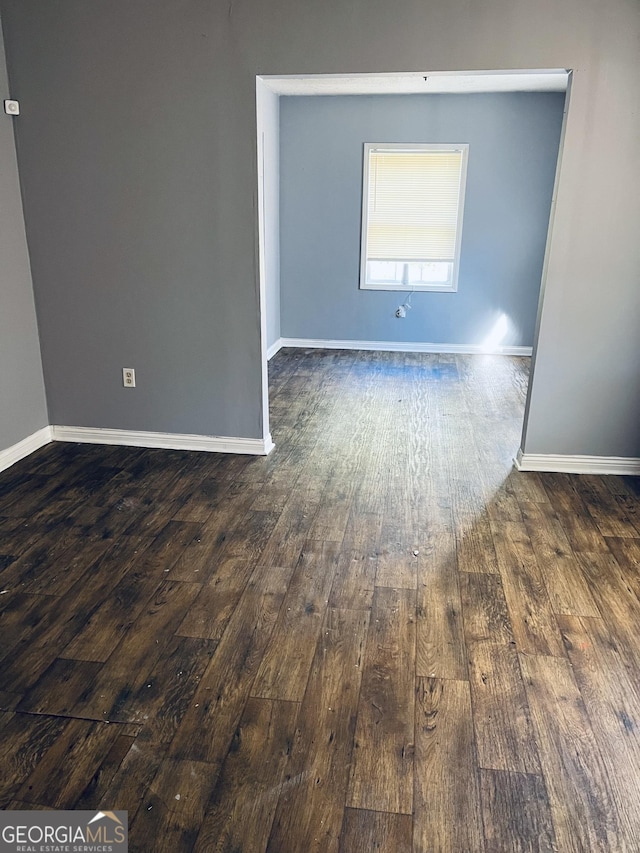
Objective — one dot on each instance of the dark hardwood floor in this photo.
(380, 637)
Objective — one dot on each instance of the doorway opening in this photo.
(312, 130)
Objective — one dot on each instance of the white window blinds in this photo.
(413, 204)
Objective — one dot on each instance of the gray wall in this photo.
(22, 402)
(513, 147)
(268, 104)
(138, 158)
(140, 192)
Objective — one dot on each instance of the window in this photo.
(412, 205)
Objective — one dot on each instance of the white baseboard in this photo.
(394, 346)
(558, 463)
(274, 348)
(549, 462)
(23, 448)
(165, 440)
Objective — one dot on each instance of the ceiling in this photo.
(428, 82)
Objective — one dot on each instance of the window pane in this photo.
(430, 273)
(409, 273)
(385, 271)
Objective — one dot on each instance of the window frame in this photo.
(452, 285)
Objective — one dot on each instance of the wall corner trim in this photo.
(397, 346)
(268, 444)
(565, 464)
(164, 440)
(25, 447)
(274, 348)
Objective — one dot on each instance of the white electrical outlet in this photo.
(12, 108)
(128, 377)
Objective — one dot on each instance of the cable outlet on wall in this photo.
(401, 310)
(128, 377)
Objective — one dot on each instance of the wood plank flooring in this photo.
(380, 637)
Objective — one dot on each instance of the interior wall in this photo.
(140, 192)
(268, 105)
(137, 151)
(23, 408)
(513, 147)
